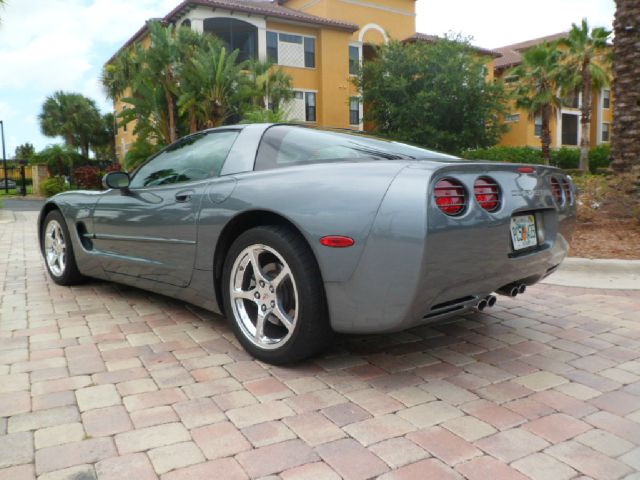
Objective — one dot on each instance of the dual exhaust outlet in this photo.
(510, 290)
(488, 301)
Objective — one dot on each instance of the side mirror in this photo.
(116, 180)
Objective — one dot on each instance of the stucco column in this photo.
(197, 25)
(262, 44)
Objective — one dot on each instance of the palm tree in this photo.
(537, 90)
(73, 117)
(585, 62)
(626, 89)
(57, 157)
(210, 86)
(273, 87)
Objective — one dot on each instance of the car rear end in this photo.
(448, 235)
(492, 228)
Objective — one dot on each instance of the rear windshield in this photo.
(287, 145)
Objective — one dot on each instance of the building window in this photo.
(354, 59)
(186, 23)
(309, 52)
(537, 130)
(272, 47)
(310, 106)
(572, 100)
(512, 118)
(291, 50)
(354, 111)
(236, 35)
(569, 129)
(606, 99)
(605, 132)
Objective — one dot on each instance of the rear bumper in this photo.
(419, 264)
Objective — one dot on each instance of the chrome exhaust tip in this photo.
(510, 290)
(522, 288)
(482, 304)
(491, 300)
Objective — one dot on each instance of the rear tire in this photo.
(277, 310)
(57, 250)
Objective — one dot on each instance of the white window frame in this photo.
(606, 90)
(359, 46)
(602, 140)
(512, 118)
(304, 104)
(315, 39)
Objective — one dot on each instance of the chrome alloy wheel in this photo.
(264, 296)
(55, 248)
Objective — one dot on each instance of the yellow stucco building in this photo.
(565, 125)
(319, 43)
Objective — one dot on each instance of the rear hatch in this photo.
(517, 226)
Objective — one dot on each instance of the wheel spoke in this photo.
(244, 294)
(260, 326)
(254, 255)
(283, 317)
(282, 275)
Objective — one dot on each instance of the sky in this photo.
(49, 45)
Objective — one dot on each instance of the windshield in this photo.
(288, 145)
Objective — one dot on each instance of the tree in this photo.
(210, 87)
(586, 64)
(25, 152)
(537, 88)
(72, 116)
(104, 140)
(435, 95)
(58, 158)
(182, 82)
(626, 89)
(272, 86)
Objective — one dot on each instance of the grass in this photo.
(13, 193)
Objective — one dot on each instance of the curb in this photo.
(597, 273)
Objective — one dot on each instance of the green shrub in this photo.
(53, 186)
(505, 154)
(599, 157)
(566, 158)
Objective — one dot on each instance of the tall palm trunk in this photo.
(545, 137)
(171, 108)
(626, 89)
(585, 119)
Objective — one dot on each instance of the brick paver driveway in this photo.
(118, 383)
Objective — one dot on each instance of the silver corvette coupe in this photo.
(294, 233)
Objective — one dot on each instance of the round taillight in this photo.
(566, 188)
(487, 193)
(450, 196)
(556, 190)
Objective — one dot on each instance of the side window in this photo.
(195, 158)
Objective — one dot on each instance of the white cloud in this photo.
(54, 44)
(495, 23)
(6, 111)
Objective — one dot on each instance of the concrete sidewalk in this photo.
(597, 273)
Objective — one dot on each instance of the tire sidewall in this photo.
(66, 277)
(305, 284)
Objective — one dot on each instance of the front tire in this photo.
(273, 295)
(58, 251)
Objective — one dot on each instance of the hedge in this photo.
(565, 157)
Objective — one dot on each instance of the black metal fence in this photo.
(13, 180)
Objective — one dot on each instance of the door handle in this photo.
(184, 196)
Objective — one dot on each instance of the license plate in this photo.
(523, 232)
